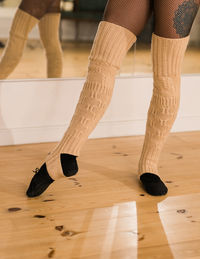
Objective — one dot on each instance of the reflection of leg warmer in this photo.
(49, 34)
(167, 57)
(109, 48)
(21, 26)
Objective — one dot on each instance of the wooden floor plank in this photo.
(102, 212)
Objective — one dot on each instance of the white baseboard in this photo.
(103, 130)
(34, 111)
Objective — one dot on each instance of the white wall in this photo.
(33, 111)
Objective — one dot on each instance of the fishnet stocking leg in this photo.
(130, 14)
(174, 18)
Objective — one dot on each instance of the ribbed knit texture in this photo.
(21, 26)
(49, 34)
(167, 57)
(110, 46)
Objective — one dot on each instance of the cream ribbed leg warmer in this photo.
(167, 55)
(21, 26)
(110, 45)
(49, 34)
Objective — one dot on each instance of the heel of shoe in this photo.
(69, 164)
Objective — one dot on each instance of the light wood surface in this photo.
(102, 212)
(33, 62)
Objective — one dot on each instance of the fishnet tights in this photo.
(38, 8)
(173, 18)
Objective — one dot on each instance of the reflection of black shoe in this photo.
(2, 45)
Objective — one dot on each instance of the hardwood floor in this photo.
(102, 212)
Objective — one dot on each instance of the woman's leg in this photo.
(49, 34)
(54, 7)
(115, 35)
(36, 8)
(173, 21)
(26, 17)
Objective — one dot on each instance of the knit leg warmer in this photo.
(21, 26)
(49, 34)
(110, 46)
(167, 55)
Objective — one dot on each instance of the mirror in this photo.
(77, 30)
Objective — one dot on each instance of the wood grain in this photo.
(102, 212)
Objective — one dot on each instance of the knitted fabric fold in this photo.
(110, 46)
(49, 34)
(167, 57)
(22, 24)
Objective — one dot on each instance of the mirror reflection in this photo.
(60, 41)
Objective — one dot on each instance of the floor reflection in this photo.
(181, 222)
(125, 230)
(152, 239)
(157, 227)
(110, 233)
